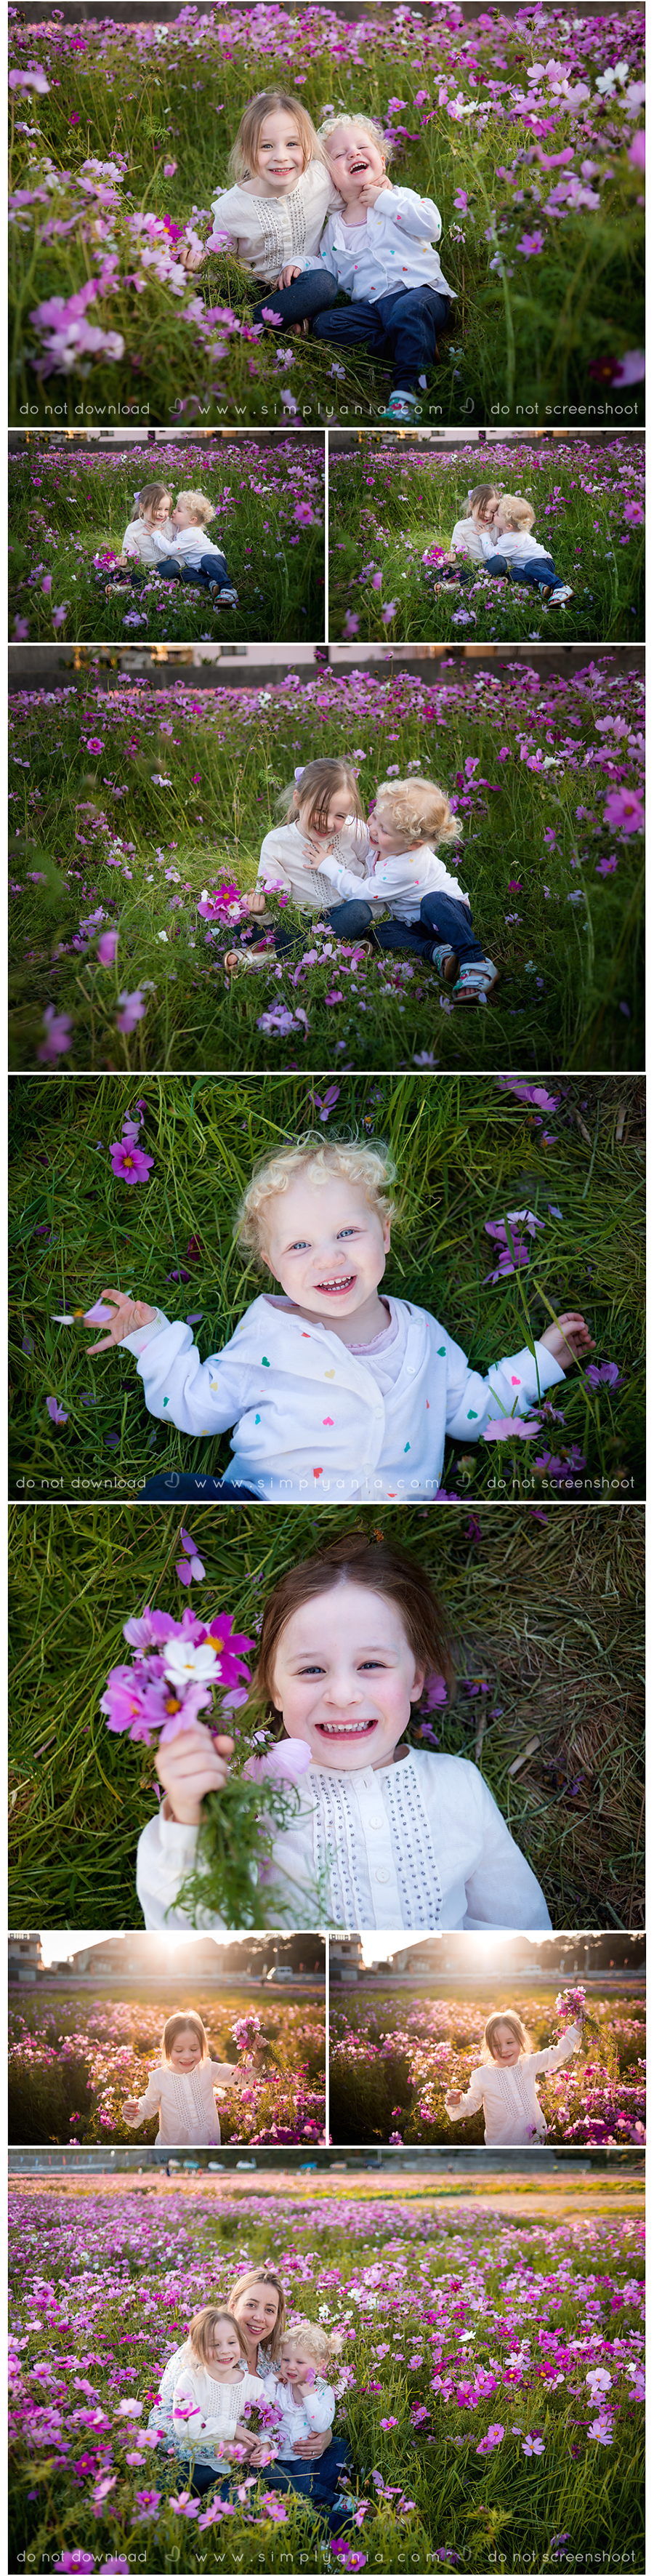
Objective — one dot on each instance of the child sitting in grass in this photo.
(319, 811)
(303, 2403)
(185, 553)
(473, 538)
(506, 2082)
(517, 554)
(380, 249)
(317, 1218)
(148, 532)
(273, 215)
(430, 913)
(211, 2395)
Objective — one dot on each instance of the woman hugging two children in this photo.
(496, 535)
(172, 541)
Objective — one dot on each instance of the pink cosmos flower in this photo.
(193, 1572)
(107, 946)
(510, 1426)
(531, 244)
(129, 1163)
(624, 810)
(54, 1409)
(133, 1008)
(57, 1037)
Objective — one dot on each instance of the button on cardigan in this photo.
(417, 1846)
(311, 1422)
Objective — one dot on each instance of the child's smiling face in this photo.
(280, 153)
(344, 1678)
(326, 1246)
(338, 814)
(225, 2346)
(506, 2045)
(295, 2364)
(389, 844)
(185, 2053)
(355, 162)
(158, 511)
(484, 513)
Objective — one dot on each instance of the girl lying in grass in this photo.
(506, 2082)
(389, 866)
(273, 215)
(317, 1216)
(382, 1832)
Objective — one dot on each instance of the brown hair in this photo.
(176, 2023)
(315, 786)
(484, 492)
(419, 808)
(202, 2328)
(366, 1167)
(148, 497)
(519, 512)
(270, 2281)
(243, 157)
(380, 1568)
(515, 2024)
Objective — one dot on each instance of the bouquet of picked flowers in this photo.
(571, 2005)
(177, 1668)
(226, 903)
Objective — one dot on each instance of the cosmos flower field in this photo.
(529, 138)
(73, 2061)
(69, 508)
(489, 2387)
(392, 2059)
(129, 803)
(392, 511)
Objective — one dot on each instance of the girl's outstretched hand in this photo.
(128, 1318)
(568, 1340)
(452, 2096)
(130, 2110)
(189, 1766)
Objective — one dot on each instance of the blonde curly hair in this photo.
(201, 506)
(369, 125)
(367, 1167)
(311, 2338)
(419, 808)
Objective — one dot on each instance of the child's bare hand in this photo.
(128, 1318)
(452, 2095)
(371, 190)
(256, 901)
(313, 853)
(288, 275)
(189, 1766)
(568, 1340)
(130, 2110)
(189, 258)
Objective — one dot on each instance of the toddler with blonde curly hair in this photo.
(191, 555)
(429, 912)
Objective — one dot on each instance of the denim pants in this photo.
(403, 325)
(182, 1486)
(538, 575)
(349, 920)
(442, 920)
(210, 568)
(315, 2479)
(309, 294)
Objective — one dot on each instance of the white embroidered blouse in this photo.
(512, 2111)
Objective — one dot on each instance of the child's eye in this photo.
(301, 1246)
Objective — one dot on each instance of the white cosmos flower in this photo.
(185, 1662)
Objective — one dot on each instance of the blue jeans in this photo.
(180, 1486)
(403, 325)
(315, 2479)
(442, 921)
(538, 575)
(308, 295)
(210, 568)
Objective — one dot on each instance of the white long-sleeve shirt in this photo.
(468, 539)
(419, 1845)
(186, 2104)
(161, 2416)
(282, 862)
(393, 248)
(272, 233)
(518, 546)
(303, 2410)
(217, 2412)
(512, 2111)
(382, 1438)
(191, 544)
(147, 545)
(399, 883)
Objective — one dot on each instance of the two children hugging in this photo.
(384, 1832)
(172, 541)
(497, 535)
(505, 2081)
(182, 2088)
(317, 1217)
(311, 214)
(216, 2395)
(388, 866)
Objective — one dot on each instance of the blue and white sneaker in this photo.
(402, 409)
(476, 982)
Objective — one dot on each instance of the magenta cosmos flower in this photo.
(129, 1163)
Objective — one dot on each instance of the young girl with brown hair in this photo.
(181, 2089)
(505, 2082)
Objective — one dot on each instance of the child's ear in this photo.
(419, 1683)
(386, 1234)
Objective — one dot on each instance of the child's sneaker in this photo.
(476, 982)
(223, 598)
(446, 960)
(402, 408)
(559, 598)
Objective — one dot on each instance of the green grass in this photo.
(526, 330)
(391, 503)
(551, 1613)
(464, 1153)
(65, 506)
(556, 892)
